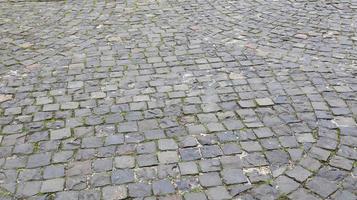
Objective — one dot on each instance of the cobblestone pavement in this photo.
(178, 99)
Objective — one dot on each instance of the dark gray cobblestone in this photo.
(184, 99)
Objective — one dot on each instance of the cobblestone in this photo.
(162, 187)
(188, 99)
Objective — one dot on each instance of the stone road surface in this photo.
(178, 99)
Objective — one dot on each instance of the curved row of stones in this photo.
(188, 99)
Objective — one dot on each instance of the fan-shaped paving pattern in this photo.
(187, 99)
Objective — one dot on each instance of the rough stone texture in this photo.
(162, 187)
(139, 190)
(233, 176)
(115, 192)
(189, 99)
(218, 193)
(322, 186)
(52, 185)
(286, 185)
(122, 176)
(210, 179)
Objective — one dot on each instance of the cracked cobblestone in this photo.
(184, 99)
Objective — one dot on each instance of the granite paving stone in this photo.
(52, 185)
(122, 176)
(115, 192)
(123, 162)
(162, 187)
(210, 179)
(218, 192)
(233, 176)
(60, 134)
(299, 173)
(139, 190)
(322, 186)
(168, 157)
